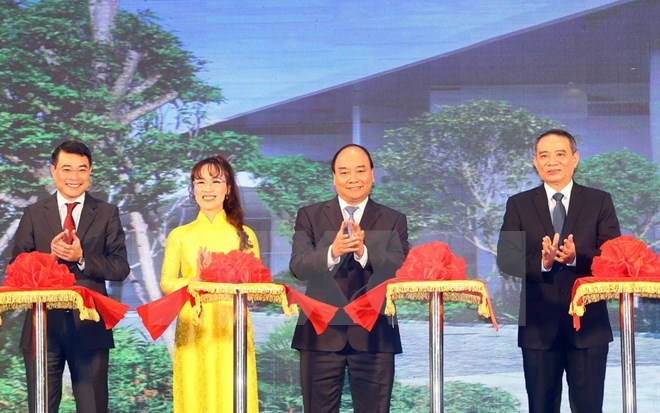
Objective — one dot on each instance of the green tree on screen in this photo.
(13, 392)
(289, 182)
(123, 85)
(458, 166)
(634, 183)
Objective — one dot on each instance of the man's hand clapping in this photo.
(552, 252)
(67, 252)
(344, 243)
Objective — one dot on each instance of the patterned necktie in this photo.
(69, 224)
(558, 213)
(351, 215)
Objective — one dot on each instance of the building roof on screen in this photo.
(266, 53)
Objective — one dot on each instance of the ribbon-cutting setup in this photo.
(626, 267)
(430, 273)
(37, 276)
(431, 262)
(39, 282)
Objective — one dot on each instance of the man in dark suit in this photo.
(549, 237)
(95, 253)
(343, 248)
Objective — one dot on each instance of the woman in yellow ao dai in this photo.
(203, 349)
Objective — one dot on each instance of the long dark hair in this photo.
(218, 166)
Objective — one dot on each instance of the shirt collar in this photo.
(566, 191)
(343, 204)
(61, 201)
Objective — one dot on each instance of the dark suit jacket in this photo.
(102, 239)
(386, 239)
(545, 296)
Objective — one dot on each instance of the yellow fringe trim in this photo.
(602, 291)
(210, 292)
(54, 299)
(452, 290)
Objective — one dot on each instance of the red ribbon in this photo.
(159, 314)
(625, 256)
(365, 309)
(235, 267)
(591, 280)
(319, 313)
(38, 270)
(432, 261)
(111, 311)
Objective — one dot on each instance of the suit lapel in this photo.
(370, 215)
(52, 215)
(575, 205)
(86, 216)
(540, 201)
(334, 218)
(333, 214)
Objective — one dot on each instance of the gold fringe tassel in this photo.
(209, 292)
(610, 290)
(466, 291)
(54, 299)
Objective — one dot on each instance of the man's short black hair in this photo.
(71, 146)
(558, 132)
(334, 158)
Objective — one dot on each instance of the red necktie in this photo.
(69, 224)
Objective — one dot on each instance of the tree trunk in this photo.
(102, 15)
(11, 230)
(149, 277)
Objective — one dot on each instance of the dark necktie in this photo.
(69, 224)
(351, 215)
(558, 213)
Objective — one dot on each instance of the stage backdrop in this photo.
(447, 95)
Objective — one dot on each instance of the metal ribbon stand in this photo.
(39, 323)
(436, 292)
(38, 301)
(240, 293)
(436, 327)
(625, 289)
(627, 324)
(240, 352)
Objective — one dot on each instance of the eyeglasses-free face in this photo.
(555, 162)
(353, 176)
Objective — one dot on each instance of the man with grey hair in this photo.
(549, 238)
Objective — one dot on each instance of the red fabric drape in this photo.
(365, 309)
(317, 312)
(159, 314)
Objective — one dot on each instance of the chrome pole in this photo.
(627, 324)
(240, 353)
(435, 351)
(41, 367)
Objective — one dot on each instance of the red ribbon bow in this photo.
(625, 256)
(235, 267)
(432, 261)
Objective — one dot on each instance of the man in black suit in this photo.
(550, 241)
(342, 248)
(95, 253)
